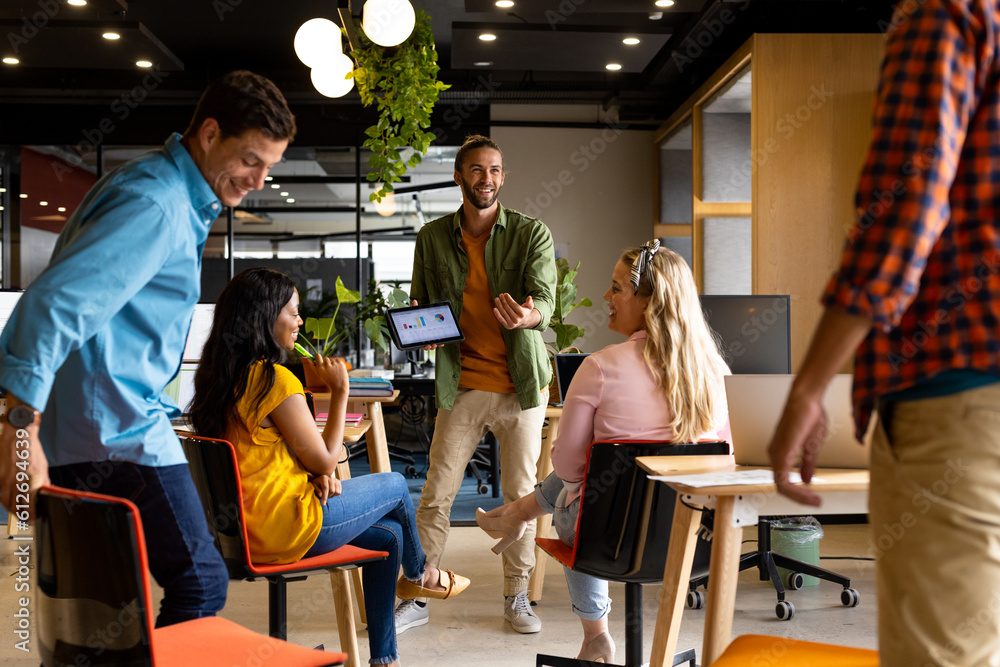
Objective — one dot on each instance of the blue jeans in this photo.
(588, 594)
(182, 554)
(375, 512)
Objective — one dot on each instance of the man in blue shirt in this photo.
(96, 337)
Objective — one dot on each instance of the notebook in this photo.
(566, 366)
(755, 406)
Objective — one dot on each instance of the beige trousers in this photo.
(456, 434)
(934, 507)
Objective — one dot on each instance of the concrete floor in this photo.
(470, 629)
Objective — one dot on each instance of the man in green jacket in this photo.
(496, 267)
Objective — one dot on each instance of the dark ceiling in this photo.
(71, 85)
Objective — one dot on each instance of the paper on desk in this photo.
(734, 478)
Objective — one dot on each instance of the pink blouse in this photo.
(614, 396)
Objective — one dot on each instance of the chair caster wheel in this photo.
(482, 489)
(784, 610)
(411, 471)
(849, 597)
(695, 600)
(795, 581)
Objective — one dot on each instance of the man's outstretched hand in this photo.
(513, 315)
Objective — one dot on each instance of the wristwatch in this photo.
(22, 416)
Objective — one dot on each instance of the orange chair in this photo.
(782, 652)
(94, 605)
(216, 476)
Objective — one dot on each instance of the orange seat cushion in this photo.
(214, 641)
(345, 555)
(557, 549)
(782, 652)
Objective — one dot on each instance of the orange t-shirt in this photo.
(484, 354)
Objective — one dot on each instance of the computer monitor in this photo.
(754, 331)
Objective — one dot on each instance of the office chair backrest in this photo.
(93, 590)
(216, 476)
(611, 541)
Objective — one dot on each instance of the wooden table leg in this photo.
(723, 572)
(378, 444)
(344, 472)
(544, 523)
(341, 583)
(680, 556)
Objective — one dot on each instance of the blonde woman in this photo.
(664, 383)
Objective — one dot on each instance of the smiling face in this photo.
(286, 327)
(236, 165)
(481, 177)
(626, 309)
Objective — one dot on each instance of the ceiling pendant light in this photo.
(317, 41)
(388, 22)
(330, 77)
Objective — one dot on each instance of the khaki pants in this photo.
(456, 434)
(935, 514)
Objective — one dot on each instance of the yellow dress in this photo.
(283, 514)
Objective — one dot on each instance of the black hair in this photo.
(241, 101)
(242, 334)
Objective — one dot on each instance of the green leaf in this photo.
(345, 295)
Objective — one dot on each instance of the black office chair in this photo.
(767, 563)
(623, 532)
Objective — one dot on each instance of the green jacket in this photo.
(519, 261)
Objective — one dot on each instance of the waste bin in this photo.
(797, 538)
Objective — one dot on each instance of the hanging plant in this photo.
(402, 82)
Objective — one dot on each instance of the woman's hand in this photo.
(332, 371)
(325, 486)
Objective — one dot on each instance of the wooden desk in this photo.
(736, 506)
(371, 408)
(544, 523)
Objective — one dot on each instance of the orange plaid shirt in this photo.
(923, 261)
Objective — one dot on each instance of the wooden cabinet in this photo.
(775, 141)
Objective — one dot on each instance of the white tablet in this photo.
(414, 327)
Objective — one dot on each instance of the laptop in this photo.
(566, 367)
(755, 406)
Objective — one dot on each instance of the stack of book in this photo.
(361, 387)
(350, 419)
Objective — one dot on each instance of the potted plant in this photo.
(375, 305)
(324, 335)
(566, 303)
(402, 82)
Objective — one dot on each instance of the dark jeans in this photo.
(182, 555)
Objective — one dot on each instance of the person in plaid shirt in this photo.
(917, 301)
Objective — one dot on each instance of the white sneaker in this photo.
(517, 610)
(409, 615)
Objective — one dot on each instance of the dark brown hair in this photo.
(242, 101)
(472, 142)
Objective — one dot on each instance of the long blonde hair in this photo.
(680, 349)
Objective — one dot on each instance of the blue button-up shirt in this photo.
(97, 336)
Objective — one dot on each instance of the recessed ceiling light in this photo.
(11, 61)
(614, 67)
(269, 178)
(24, 196)
(664, 3)
(77, 3)
(275, 186)
(61, 209)
(1, 208)
(290, 200)
(111, 35)
(3, 189)
(487, 37)
(504, 4)
(283, 194)
(631, 41)
(143, 63)
(483, 63)
(43, 203)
